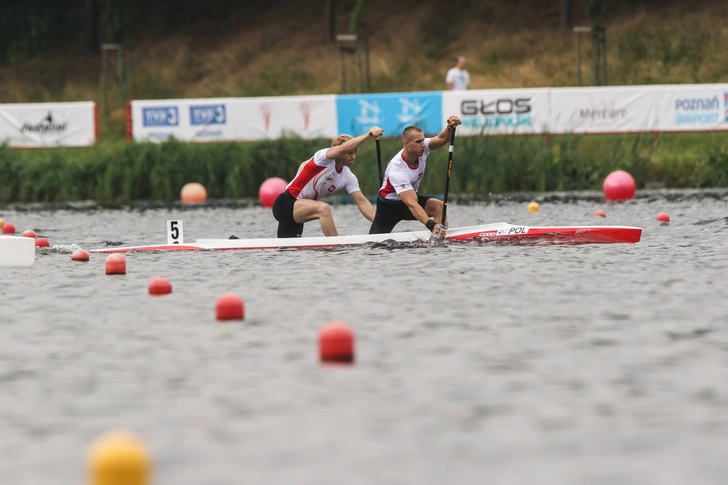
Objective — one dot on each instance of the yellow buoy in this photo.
(1, 222)
(119, 458)
(533, 207)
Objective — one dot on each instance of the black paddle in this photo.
(379, 163)
(447, 182)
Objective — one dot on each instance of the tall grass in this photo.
(119, 172)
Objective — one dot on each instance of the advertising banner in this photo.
(183, 119)
(604, 109)
(694, 107)
(498, 111)
(48, 124)
(234, 119)
(267, 118)
(392, 112)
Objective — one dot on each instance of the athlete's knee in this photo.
(433, 207)
(324, 211)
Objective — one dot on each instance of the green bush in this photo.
(117, 172)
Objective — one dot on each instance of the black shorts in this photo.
(390, 212)
(283, 212)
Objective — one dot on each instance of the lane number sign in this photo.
(174, 232)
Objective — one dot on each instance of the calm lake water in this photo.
(476, 363)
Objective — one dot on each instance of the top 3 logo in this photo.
(211, 114)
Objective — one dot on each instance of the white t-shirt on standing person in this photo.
(459, 78)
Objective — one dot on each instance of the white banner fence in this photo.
(42, 125)
(583, 110)
(232, 119)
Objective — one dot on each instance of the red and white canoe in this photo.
(496, 232)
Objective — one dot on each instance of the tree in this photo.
(596, 10)
(566, 15)
(92, 7)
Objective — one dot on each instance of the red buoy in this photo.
(42, 242)
(30, 233)
(662, 217)
(160, 286)
(229, 306)
(336, 343)
(619, 185)
(600, 213)
(8, 228)
(115, 264)
(270, 190)
(79, 255)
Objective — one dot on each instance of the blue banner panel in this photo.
(392, 112)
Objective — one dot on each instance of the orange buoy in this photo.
(79, 255)
(229, 306)
(270, 190)
(662, 217)
(30, 233)
(160, 286)
(42, 242)
(193, 192)
(336, 343)
(115, 264)
(619, 185)
(8, 228)
(600, 213)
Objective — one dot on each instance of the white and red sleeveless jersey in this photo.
(318, 178)
(400, 177)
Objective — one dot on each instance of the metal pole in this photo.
(104, 81)
(130, 64)
(595, 56)
(120, 73)
(604, 55)
(368, 72)
(358, 65)
(577, 37)
(343, 70)
(578, 59)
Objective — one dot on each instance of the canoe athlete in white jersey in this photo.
(326, 172)
(398, 199)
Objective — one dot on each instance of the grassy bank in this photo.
(258, 49)
(119, 172)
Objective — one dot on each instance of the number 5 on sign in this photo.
(174, 232)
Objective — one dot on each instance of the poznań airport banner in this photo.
(694, 107)
(48, 124)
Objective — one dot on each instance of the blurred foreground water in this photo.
(476, 363)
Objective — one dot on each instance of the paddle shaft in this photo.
(379, 163)
(447, 181)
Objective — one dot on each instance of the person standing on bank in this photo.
(457, 78)
(398, 199)
(326, 172)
